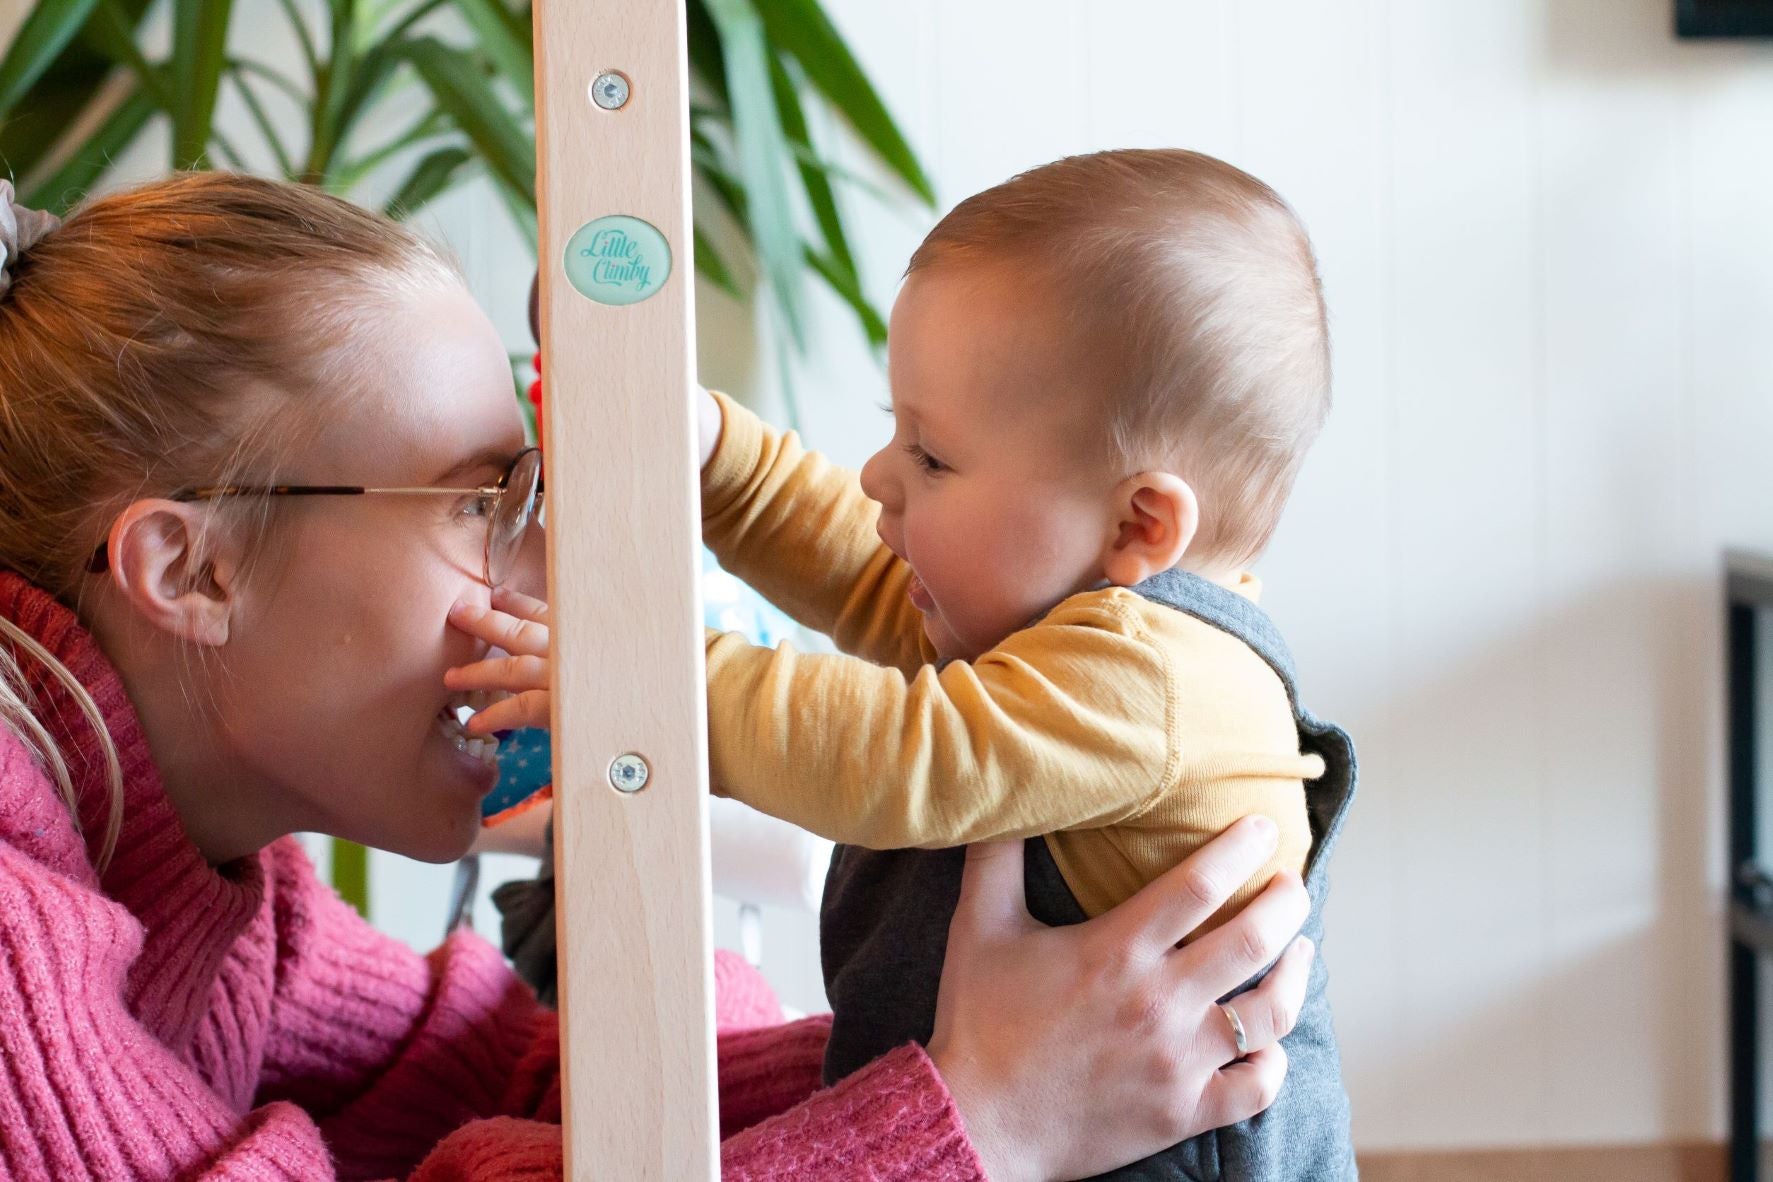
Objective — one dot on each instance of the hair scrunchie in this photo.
(20, 229)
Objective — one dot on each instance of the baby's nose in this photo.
(875, 481)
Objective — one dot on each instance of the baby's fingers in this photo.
(509, 714)
(511, 674)
(514, 635)
(519, 604)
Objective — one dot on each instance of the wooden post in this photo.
(624, 523)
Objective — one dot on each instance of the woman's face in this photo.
(330, 688)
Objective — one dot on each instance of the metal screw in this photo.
(629, 773)
(609, 90)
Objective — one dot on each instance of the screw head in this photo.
(609, 90)
(629, 773)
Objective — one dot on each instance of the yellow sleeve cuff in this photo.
(735, 457)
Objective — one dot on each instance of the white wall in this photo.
(1547, 241)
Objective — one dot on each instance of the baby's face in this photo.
(990, 488)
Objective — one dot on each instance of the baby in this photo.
(1105, 374)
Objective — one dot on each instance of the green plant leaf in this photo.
(801, 29)
(350, 874)
(199, 51)
(819, 194)
(406, 23)
(372, 78)
(762, 148)
(334, 87)
(43, 36)
(506, 40)
(843, 281)
(74, 175)
(726, 188)
(284, 163)
(523, 214)
(461, 92)
(710, 264)
(433, 125)
(276, 78)
(704, 49)
(306, 39)
(111, 33)
(71, 92)
(431, 176)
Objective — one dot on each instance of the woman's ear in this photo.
(1156, 519)
(173, 571)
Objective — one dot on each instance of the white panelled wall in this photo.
(1546, 230)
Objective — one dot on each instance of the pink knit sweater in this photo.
(172, 1020)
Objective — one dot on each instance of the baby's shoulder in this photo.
(1113, 609)
(1192, 651)
(1123, 610)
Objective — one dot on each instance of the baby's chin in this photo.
(950, 647)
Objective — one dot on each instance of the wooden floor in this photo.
(1660, 1163)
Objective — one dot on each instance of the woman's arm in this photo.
(769, 1070)
(893, 1121)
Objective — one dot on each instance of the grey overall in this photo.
(884, 929)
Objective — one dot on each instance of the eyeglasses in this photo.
(509, 506)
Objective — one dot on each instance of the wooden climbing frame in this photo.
(623, 511)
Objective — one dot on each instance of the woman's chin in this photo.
(441, 837)
(443, 819)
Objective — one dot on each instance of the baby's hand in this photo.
(708, 423)
(519, 625)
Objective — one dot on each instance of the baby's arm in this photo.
(800, 530)
(1061, 726)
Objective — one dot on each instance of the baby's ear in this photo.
(1156, 519)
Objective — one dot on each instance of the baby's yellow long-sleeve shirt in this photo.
(1125, 732)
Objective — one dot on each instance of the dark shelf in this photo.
(1748, 595)
(1748, 578)
(1752, 927)
(1724, 18)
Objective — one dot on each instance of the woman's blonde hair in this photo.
(127, 339)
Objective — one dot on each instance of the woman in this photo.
(199, 664)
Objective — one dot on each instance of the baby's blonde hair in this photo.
(1193, 287)
(127, 340)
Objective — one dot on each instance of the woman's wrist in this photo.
(975, 1100)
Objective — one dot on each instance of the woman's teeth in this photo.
(452, 720)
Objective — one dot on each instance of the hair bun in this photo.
(20, 229)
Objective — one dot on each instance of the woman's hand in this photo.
(518, 624)
(1074, 1050)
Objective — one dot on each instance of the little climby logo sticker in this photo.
(617, 259)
